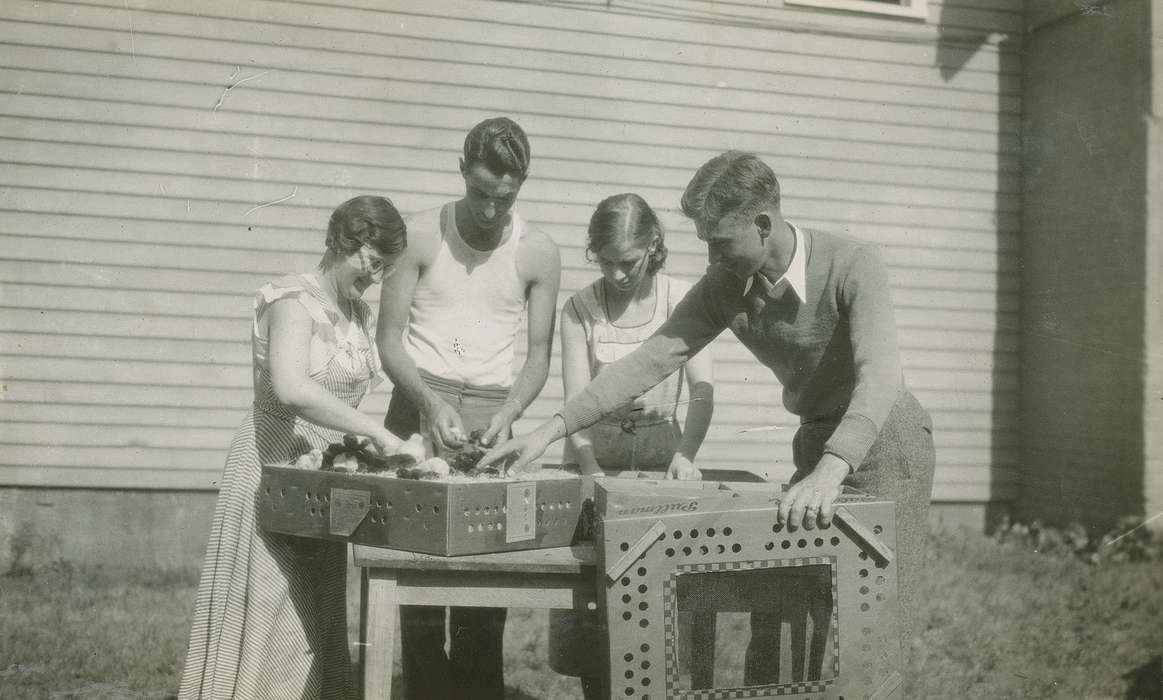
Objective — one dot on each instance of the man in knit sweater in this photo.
(815, 309)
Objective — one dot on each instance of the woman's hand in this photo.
(683, 469)
(812, 500)
(523, 450)
(385, 442)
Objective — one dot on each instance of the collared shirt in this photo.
(794, 277)
(834, 353)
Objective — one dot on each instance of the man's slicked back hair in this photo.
(500, 145)
(732, 184)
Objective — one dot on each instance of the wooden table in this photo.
(562, 578)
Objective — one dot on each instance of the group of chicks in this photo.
(410, 460)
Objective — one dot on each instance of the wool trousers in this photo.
(473, 666)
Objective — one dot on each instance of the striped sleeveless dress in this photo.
(270, 617)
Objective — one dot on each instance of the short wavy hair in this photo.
(732, 184)
(367, 220)
(627, 215)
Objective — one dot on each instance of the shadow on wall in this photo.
(1146, 681)
(956, 46)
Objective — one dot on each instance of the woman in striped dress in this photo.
(270, 614)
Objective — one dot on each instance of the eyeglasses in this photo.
(374, 267)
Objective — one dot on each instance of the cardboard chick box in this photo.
(706, 596)
(443, 517)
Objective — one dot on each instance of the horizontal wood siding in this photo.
(138, 141)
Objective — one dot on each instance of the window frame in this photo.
(909, 9)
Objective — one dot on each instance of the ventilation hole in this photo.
(710, 532)
(669, 552)
(864, 607)
(641, 571)
(694, 534)
(646, 681)
(736, 548)
(835, 541)
(864, 590)
(644, 606)
(704, 550)
(629, 674)
(646, 665)
(677, 535)
(686, 551)
(628, 657)
(624, 546)
(864, 573)
(786, 544)
(642, 589)
(876, 529)
(626, 598)
(625, 580)
(802, 543)
(727, 531)
(769, 546)
(644, 623)
(645, 648)
(819, 542)
(863, 556)
(721, 548)
(629, 692)
(777, 528)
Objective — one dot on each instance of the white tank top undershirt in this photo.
(467, 306)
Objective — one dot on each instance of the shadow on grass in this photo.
(1146, 681)
(511, 693)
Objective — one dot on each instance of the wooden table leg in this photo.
(377, 631)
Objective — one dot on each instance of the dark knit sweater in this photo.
(835, 353)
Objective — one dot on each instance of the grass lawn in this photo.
(1001, 622)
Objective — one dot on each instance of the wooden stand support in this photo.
(558, 578)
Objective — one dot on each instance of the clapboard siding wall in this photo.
(138, 142)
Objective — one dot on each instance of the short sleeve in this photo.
(322, 333)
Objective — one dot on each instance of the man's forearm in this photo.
(405, 376)
(528, 384)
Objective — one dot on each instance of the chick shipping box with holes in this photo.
(434, 517)
(706, 596)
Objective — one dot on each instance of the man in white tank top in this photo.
(449, 318)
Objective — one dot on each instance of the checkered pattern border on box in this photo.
(669, 630)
